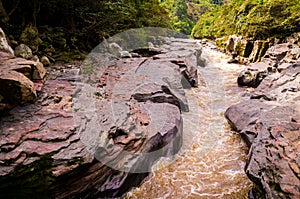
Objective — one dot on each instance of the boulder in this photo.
(35, 58)
(253, 74)
(238, 45)
(4, 46)
(269, 122)
(23, 51)
(16, 87)
(125, 54)
(38, 71)
(45, 61)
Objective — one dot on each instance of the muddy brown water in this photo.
(212, 160)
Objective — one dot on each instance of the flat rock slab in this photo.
(270, 124)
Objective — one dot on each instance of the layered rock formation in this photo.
(262, 57)
(19, 78)
(270, 124)
(101, 135)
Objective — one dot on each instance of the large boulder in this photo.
(4, 46)
(16, 87)
(270, 124)
(238, 45)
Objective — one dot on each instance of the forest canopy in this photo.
(257, 19)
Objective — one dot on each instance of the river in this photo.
(212, 160)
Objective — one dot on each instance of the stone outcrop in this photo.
(101, 135)
(4, 46)
(274, 59)
(270, 51)
(18, 78)
(259, 49)
(270, 124)
(280, 54)
(235, 45)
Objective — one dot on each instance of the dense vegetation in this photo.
(77, 24)
(185, 13)
(257, 19)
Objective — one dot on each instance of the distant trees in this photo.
(185, 13)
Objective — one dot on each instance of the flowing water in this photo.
(212, 160)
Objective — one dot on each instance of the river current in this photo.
(212, 160)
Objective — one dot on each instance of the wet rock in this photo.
(270, 124)
(253, 74)
(4, 46)
(23, 51)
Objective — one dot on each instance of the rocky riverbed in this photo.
(99, 133)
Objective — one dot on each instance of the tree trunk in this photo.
(3, 14)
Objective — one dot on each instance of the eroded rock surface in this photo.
(99, 136)
(270, 124)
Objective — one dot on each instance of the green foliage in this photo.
(257, 19)
(184, 14)
(84, 23)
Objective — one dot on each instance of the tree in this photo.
(3, 15)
